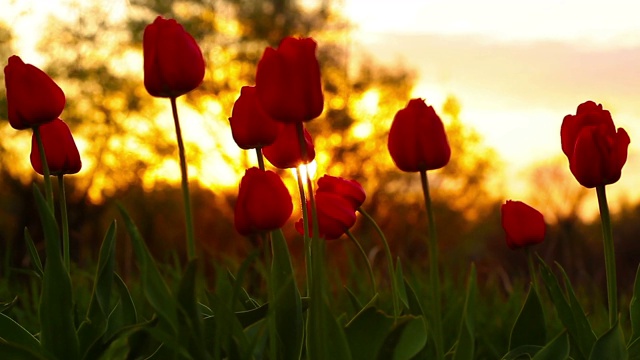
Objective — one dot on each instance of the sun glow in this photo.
(309, 168)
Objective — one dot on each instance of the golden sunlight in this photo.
(310, 168)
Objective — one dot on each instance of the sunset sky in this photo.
(517, 67)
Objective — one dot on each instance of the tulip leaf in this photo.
(8, 305)
(415, 307)
(634, 309)
(355, 302)
(258, 338)
(583, 327)
(239, 293)
(154, 288)
(252, 316)
(125, 340)
(326, 339)
(465, 347)
(33, 253)
(366, 333)
(285, 303)
(581, 338)
(556, 349)
(401, 289)
(11, 331)
(529, 328)
(18, 352)
(406, 339)
(95, 324)
(124, 313)
(225, 326)
(189, 316)
(634, 349)
(228, 332)
(522, 352)
(57, 329)
(610, 345)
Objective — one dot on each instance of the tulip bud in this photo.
(285, 152)
(522, 224)
(417, 140)
(33, 98)
(251, 127)
(595, 150)
(263, 204)
(288, 81)
(335, 216)
(173, 62)
(349, 190)
(59, 148)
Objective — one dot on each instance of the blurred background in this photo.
(502, 75)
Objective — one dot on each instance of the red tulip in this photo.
(173, 62)
(596, 151)
(417, 140)
(335, 216)
(251, 127)
(285, 153)
(263, 204)
(59, 149)
(522, 224)
(288, 81)
(349, 190)
(33, 98)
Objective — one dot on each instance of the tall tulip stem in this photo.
(305, 227)
(260, 158)
(372, 277)
(434, 269)
(65, 222)
(609, 255)
(45, 168)
(191, 245)
(392, 273)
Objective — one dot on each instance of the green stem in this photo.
(260, 158)
(312, 203)
(65, 222)
(434, 269)
(609, 255)
(392, 272)
(45, 168)
(305, 228)
(191, 245)
(532, 269)
(372, 277)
